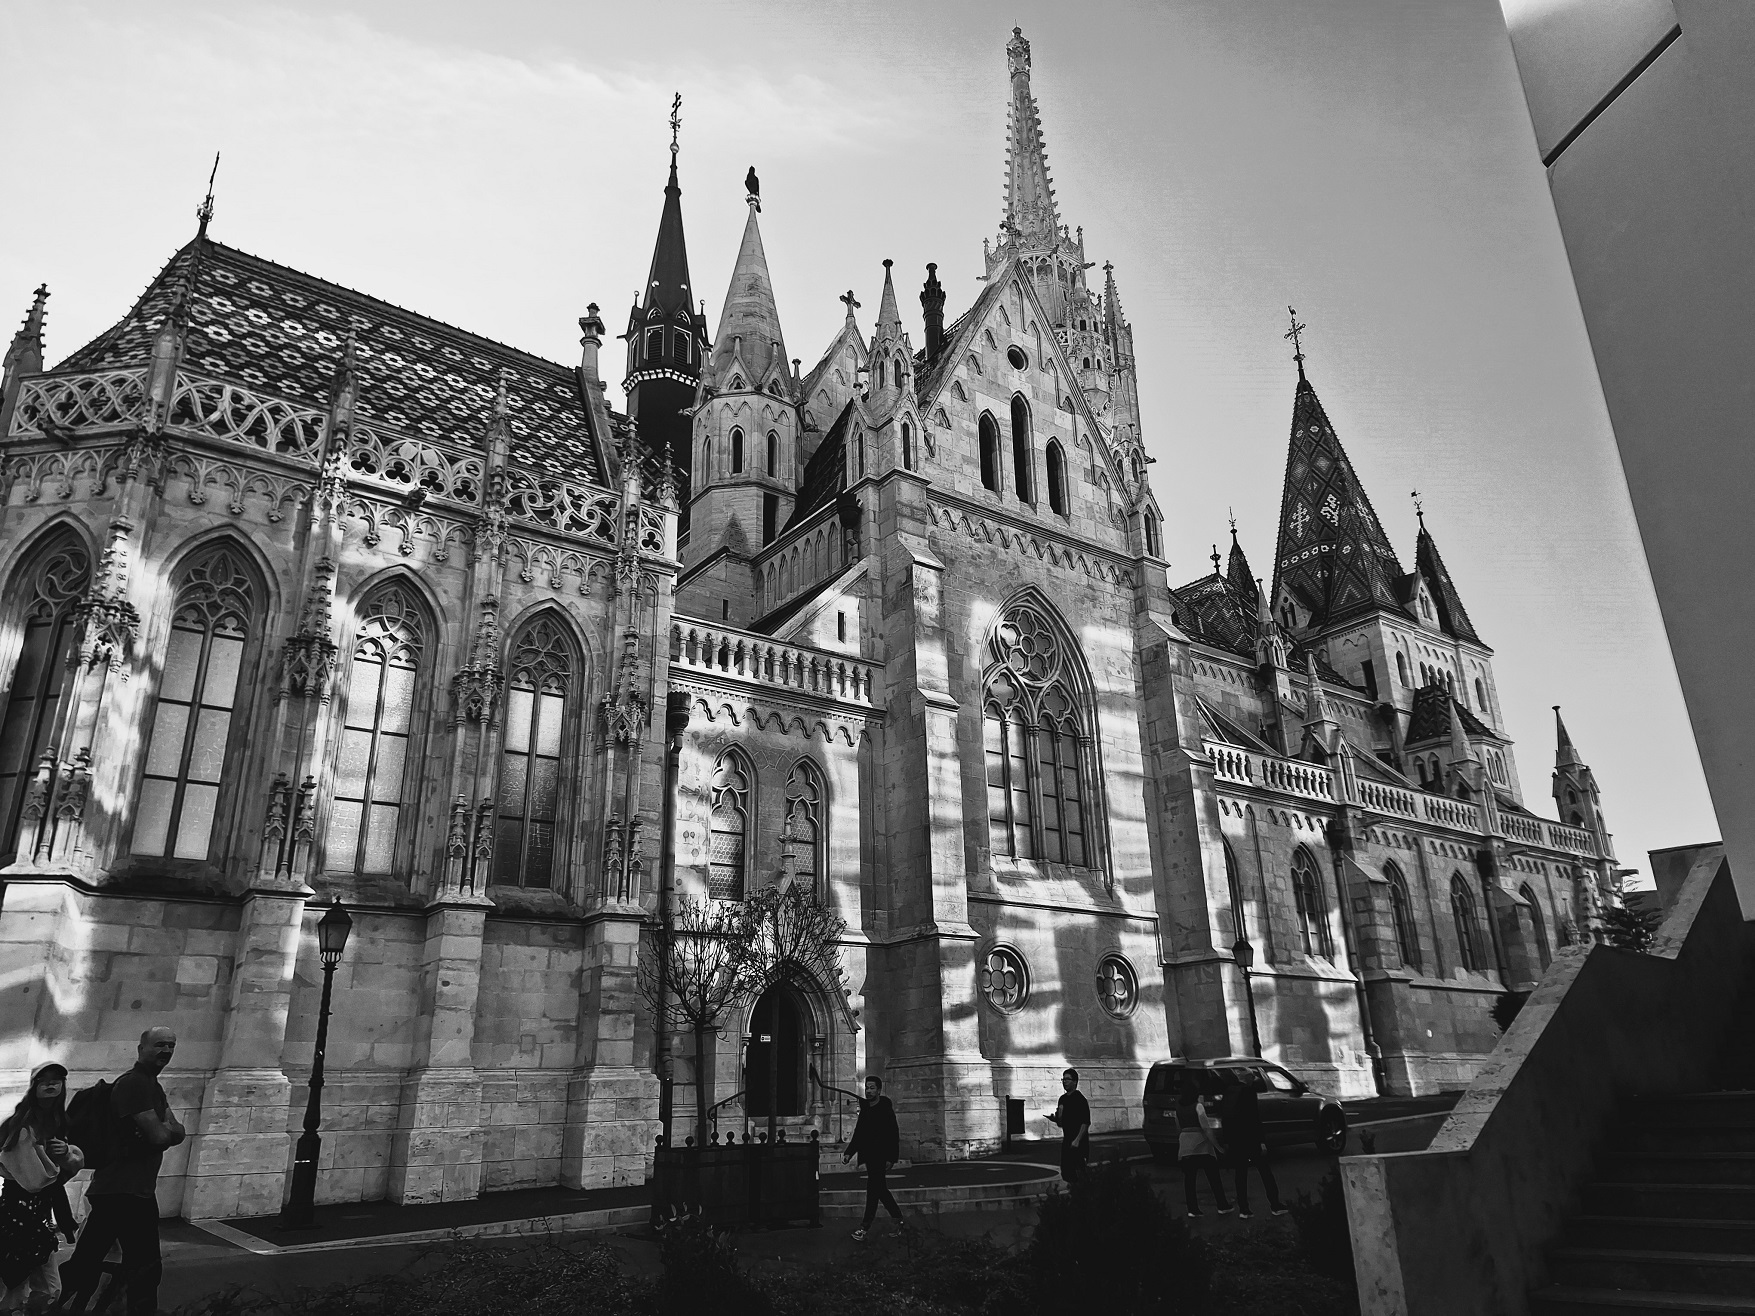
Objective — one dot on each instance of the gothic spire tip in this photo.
(204, 212)
(1293, 334)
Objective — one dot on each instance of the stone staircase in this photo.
(1668, 1220)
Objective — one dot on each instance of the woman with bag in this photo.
(36, 1161)
(1197, 1145)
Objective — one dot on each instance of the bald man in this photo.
(123, 1194)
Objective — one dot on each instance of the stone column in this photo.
(612, 1103)
(435, 1155)
(239, 1139)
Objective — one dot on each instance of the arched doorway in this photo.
(774, 1069)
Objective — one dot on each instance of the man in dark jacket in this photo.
(877, 1142)
(1073, 1114)
(1241, 1121)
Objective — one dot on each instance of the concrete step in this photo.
(1734, 1108)
(1660, 1271)
(1687, 1138)
(1680, 1167)
(1666, 1233)
(1696, 1201)
(1566, 1300)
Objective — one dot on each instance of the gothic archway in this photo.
(776, 1059)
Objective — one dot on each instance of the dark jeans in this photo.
(1245, 1155)
(132, 1221)
(876, 1191)
(1072, 1161)
(1191, 1166)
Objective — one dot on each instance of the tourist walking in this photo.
(123, 1191)
(877, 1142)
(36, 1161)
(1244, 1142)
(1197, 1144)
(1073, 1114)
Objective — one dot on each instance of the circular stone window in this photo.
(1117, 988)
(1005, 982)
(1016, 356)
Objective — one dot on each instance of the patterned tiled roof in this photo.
(1429, 719)
(825, 474)
(282, 331)
(1213, 611)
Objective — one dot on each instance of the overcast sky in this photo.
(1368, 161)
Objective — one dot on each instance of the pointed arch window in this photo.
(805, 833)
(773, 453)
(51, 589)
(374, 766)
(736, 451)
(989, 440)
(1462, 912)
(538, 690)
(860, 438)
(192, 722)
(654, 344)
(1312, 909)
(901, 371)
(1538, 926)
(907, 447)
(733, 796)
(1401, 908)
(1021, 460)
(1234, 887)
(1151, 526)
(1401, 668)
(1038, 751)
(1056, 478)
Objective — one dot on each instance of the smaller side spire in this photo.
(932, 307)
(1565, 752)
(24, 356)
(889, 319)
(1237, 567)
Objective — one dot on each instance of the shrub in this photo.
(702, 1274)
(1630, 929)
(1111, 1245)
(1324, 1240)
(1506, 1007)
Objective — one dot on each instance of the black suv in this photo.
(1290, 1111)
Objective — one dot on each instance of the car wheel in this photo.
(1331, 1132)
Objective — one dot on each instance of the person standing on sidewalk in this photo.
(1243, 1138)
(36, 1161)
(1073, 1114)
(877, 1142)
(123, 1192)
(1196, 1146)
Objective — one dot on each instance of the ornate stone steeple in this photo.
(24, 356)
(749, 345)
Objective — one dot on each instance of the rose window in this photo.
(1117, 988)
(1004, 980)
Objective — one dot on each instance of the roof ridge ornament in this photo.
(1419, 507)
(1293, 335)
(204, 212)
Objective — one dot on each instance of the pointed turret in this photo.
(749, 345)
(1237, 569)
(1452, 619)
(23, 357)
(1321, 729)
(1565, 753)
(1576, 797)
(889, 319)
(1030, 212)
(1333, 558)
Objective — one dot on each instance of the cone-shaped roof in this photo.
(1451, 616)
(667, 285)
(1565, 753)
(1029, 195)
(1333, 555)
(889, 319)
(749, 326)
(1237, 569)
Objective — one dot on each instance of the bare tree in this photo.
(795, 938)
(709, 964)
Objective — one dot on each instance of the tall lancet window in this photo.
(1312, 909)
(804, 825)
(1021, 459)
(372, 770)
(773, 453)
(49, 590)
(192, 721)
(733, 783)
(1462, 913)
(540, 681)
(736, 452)
(989, 434)
(1037, 747)
(1056, 479)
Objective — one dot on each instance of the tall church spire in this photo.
(1332, 557)
(1565, 752)
(749, 344)
(1029, 195)
(1452, 618)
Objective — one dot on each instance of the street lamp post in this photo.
(1244, 954)
(332, 930)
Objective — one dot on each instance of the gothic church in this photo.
(305, 596)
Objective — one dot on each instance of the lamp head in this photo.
(1244, 954)
(332, 930)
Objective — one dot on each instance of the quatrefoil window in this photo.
(1117, 988)
(1005, 981)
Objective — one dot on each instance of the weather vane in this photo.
(204, 212)
(675, 121)
(1419, 508)
(1297, 343)
(1231, 515)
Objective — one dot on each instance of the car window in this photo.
(1161, 1079)
(1280, 1080)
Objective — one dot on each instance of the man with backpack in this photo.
(129, 1133)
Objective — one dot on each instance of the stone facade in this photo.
(305, 597)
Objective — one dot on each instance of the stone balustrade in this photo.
(1464, 815)
(1389, 799)
(1271, 772)
(723, 651)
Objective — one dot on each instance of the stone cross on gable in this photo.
(851, 300)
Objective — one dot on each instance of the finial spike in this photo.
(752, 186)
(204, 212)
(1231, 513)
(675, 123)
(1419, 508)
(1297, 342)
(1215, 559)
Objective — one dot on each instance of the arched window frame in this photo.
(392, 623)
(1538, 926)
(731, 823)
(200, 712)
(682, 345)
(907, 447)
(1023, 460)
(987, 429)
(1401, 668)
(806, 826)
(1150, 523)
(1044, 785)
(1462, 913)
(538, 735)
(773, 453)
(41, 610)
(736, 450)
(1234, 887)
(1311, 907)
(1401, 908)
(1056, 462)
(654, 344)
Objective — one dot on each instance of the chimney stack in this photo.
(591, 329)
(932, 304)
